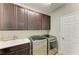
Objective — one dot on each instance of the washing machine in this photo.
(38, 45)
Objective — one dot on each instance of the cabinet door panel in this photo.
(0, 15)
(11, 53)
(14, 48)
(23, 52)
(9, 16)
(20, 17)
(34, 20)
(45, 22)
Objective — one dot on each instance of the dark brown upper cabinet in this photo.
(45, 22)
(14, 17)
(20, 17)
(34, 20)
(8, 20)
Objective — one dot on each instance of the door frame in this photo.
(61, 25)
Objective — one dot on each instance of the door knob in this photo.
(63, 38)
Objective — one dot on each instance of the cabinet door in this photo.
(23, 52)
(11, 53)
(0, 15)
(34, 20)
(8, 18)
(20, 17)
(45, 22)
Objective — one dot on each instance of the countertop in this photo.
(10, 43)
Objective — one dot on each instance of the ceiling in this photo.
(43, 7)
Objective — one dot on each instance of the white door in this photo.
(70, 34)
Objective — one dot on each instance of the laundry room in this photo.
(39, 28)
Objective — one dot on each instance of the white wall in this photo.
(8, 35)
(55, 18)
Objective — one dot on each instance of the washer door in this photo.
(40, 47)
